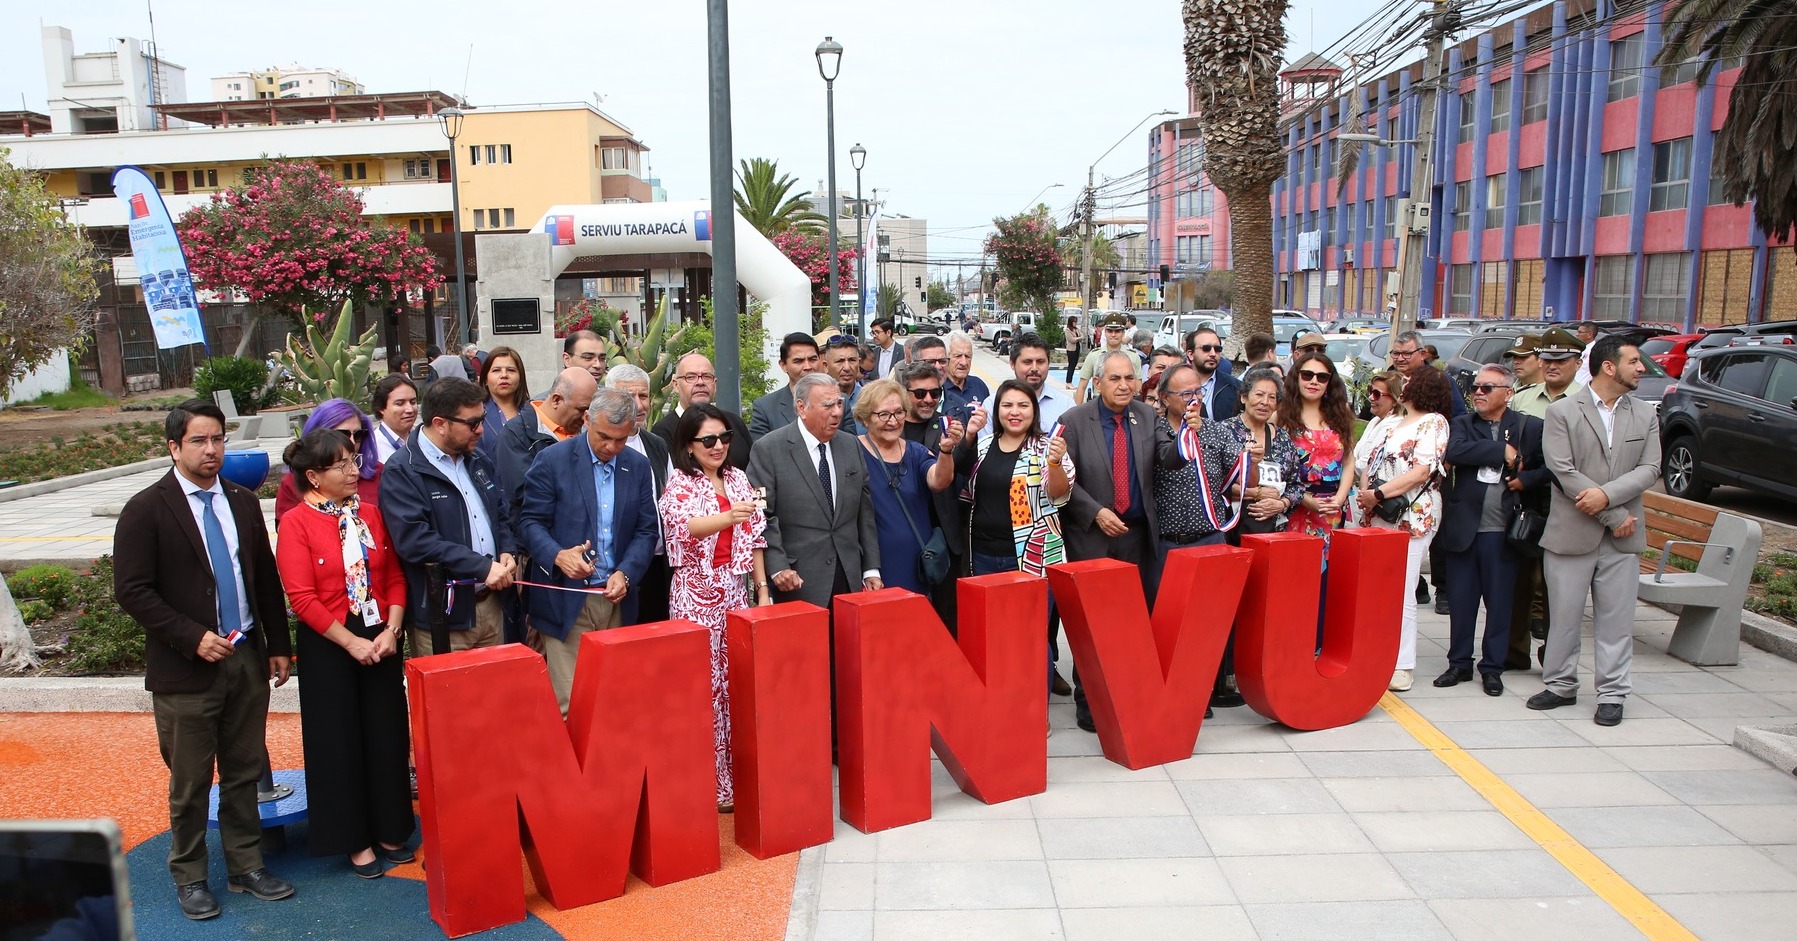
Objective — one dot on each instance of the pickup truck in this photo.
(999, 332)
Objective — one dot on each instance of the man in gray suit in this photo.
(821, 540)
(798, 357)
(1603, 447)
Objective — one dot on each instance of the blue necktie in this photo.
(220, 554)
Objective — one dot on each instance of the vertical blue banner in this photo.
(870, 300)
(161, 264)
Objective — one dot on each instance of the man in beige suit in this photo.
(1603, 447)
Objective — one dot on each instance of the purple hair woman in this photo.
(341, 415)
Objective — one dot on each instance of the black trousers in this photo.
(353, 724)
(652, 596)
(1485, 571)
(1136, 547)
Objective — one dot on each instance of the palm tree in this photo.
(1233, 50)
(1754, 145)
(765, 200)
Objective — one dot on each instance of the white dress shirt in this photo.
(227, 521)
(811, 443)
(480, 529)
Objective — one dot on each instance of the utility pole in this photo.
(1088, 207)
(1411, 243)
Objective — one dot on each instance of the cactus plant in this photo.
(329, 367)
(650, 353)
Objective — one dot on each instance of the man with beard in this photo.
(696, 382)
(925, 424)
(1029, 362)
(1218, 391)
(842, 362)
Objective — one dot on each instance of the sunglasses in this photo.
(1319, 347)
(472, 423)
(1311, 375)
(358, 436)
(1208, 348)
(712, 441)
(1486, 388)
(1375, 395)
(921, 394)
(840, 340)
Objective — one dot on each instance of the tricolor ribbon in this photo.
(450, 586)
(1191, 450)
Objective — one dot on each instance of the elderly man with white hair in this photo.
(961, 389)
(659, 579)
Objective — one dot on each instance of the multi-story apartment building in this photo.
(1571, 179)
(290, 81)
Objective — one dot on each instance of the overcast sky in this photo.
(967, 108)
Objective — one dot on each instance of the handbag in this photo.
(1391, 509)
(933, 562)
(1526, 526)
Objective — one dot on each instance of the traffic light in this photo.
(917, 282)
(1166, 274)
(1113, 280)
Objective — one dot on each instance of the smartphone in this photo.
(66, 875)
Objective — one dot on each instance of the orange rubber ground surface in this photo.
(107, 765)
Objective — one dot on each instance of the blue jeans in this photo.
(984, 564)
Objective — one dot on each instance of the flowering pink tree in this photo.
(811, 253)
(295, 241)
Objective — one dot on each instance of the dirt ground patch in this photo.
(23, 426)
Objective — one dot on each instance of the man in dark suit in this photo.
(589, 522)
(1495, 456)
(1218, 391)
(696, 381)
(193, 567)
(798, 357)
(658, 579)
(1115, 443)
(924, 387)
(559, 416)
(449, 521)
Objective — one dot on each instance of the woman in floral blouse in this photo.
(1266, 501)
(1315, 413)
(714, 528)
(1406, 462)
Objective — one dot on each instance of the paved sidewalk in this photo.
(1362, 832)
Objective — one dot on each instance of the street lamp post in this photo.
(452, 129)
(829, 63)
(858, 159)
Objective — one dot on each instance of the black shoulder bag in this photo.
(933, 563)
(1526, 523)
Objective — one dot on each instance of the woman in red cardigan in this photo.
(345, 584)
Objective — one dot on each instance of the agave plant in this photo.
(650, 353)
(329, 367)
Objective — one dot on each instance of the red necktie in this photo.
(1120, 469)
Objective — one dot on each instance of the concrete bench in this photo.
(1725, 547)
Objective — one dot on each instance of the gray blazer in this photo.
(1575, 451)
(804, 532)
(771, 411)
(1083, 427)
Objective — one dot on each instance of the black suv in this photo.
(1487, 348)
(1732, 419)
(1775, 331)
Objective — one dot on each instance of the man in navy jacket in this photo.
(589, 522)
(449, 521)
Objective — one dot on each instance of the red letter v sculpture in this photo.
(1148, 682)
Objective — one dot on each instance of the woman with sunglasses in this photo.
(1382, 394)
(1272, 487)
(714, 527)
(901, 475)
(339, 415)
(502, 375)
(344, 583)
(1314, 411)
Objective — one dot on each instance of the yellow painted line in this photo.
(53, 538)
(1629, 902)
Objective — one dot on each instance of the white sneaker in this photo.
(1401, 681)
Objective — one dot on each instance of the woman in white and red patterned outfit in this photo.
(714, 530)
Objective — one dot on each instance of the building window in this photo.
(1469, 115)
(1619, 183)
(1460, 289)
(1718, 185)
(505, 153)
(1500, 106)
(1685, 71)
(1391, 217)
(1494, 201)
(160, 181)
(1491, 290)
(1463, 206)
(474, 154)
(615, 158)
(492, 153)
(1625, 68)
(355, 171)
(511, 219)
(1613, 284)
(1665, 288)
(1528, 196)
(1671, 175)
(1534, 95)
(420, 168)
(1727, 285)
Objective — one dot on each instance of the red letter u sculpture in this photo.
(903, 685)
(1147, 681)
(628, 783)
(1277, 666)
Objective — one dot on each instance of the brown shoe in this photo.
(1059, 686)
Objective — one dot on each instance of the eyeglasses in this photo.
(884, 417)
(348, 465)
(712, 441)
(1486, 388)
(921, 394)
(1312, 375)
(1208, 348)
(1404, 354)
(472, 423)
(200, 441)
(697, 377)
(1190, 395)
(1375, 395)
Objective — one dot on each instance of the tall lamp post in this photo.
(858, 159)
(829, 63)
(452, 129)
(723, 213)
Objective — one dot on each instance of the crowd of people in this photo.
(468, 514)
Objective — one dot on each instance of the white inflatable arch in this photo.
(635, 228)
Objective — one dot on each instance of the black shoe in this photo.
(1085, 723)
(1209, 713)
(1493, 683)
(1229, 699)
(262, 884)
(1453, 677)
(1059, 686)
(1441, 603)
(1538, 628)
(197, 901)
(1422, 592)
(1608, 713)
(1548, 699)
(368, 870)
(400, 855)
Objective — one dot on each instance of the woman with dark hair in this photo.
(1315, 412)
(502, 375)
(712, 517)
(344, 583)
(337, 415)
(1405, 465)
(1272, 486)
(395, 412)
(1073, 346)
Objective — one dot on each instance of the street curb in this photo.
(807, 891)
(1774, 637)
(1775, 745)
(103, 694)
(55, 484)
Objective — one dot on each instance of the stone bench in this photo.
(1725, 548)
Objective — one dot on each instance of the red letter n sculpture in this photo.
(1276, 663)
(903, 685)
(780, 727)
(628, 783)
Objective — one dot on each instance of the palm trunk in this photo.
(1251, 258)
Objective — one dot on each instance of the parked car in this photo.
(1671, 351)
(1357, 325)
(906, 324)
(1287, 325)
(999, 330)
(1487, 348)
(1174, 327)
(1732, 419)
(1724, 336)
(1524, 326)
(1633, 332)
(1450, 323)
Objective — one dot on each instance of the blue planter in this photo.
(246, 468)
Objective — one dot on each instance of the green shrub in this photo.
(54, 585)
(244, 378)
(34, 611)
(105, 639)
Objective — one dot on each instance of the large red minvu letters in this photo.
(627, 783)
(780, 727)
(904, 686)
